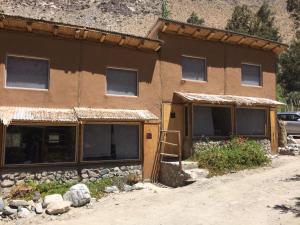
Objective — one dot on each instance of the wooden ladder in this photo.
(160, 154)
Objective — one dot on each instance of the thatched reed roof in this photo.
(227, 99)
(114, 114)
(9, 114)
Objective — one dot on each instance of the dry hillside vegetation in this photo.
(138, 16)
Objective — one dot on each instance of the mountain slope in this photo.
(138, 16)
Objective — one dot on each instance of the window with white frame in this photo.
(251, 74)
(122, 82)
(26, 72)
(193, 68)
(251, 121)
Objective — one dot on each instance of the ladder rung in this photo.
(169, 143)
(170, 155)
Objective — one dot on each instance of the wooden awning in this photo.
(213, 34)
(70, 31)
(114, 114)
(227, 99)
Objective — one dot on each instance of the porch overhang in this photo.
(114, 114)
(227, 99)
(9, 114)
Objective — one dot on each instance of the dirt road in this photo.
(266, 196)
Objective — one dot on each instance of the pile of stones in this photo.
(292, 147)
(78, 195)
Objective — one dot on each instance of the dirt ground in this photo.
(265, 196)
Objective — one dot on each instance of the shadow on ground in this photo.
(294, 178)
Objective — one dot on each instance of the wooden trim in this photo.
(113, 123)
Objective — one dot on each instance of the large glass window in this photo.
(251, 121)
(251, 75)
(39, 144)
(122, 82)
(110, 142)
(193, 68)
(27, 72)
(211, 121)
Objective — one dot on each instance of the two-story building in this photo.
(79, 97)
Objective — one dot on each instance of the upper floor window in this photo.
(122, 82)
(251, 75)
(24, 72)
(193, 68)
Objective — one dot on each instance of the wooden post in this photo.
(273, 131)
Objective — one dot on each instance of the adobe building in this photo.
(83, 103)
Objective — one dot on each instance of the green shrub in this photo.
(235, 154)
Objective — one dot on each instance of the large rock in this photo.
(2, 205)
(78, 195)
(24, 213)
(38, 208)
(18, 203)
(7, 183)
(58, 207)
(7, 211)
(52, 198)
(111, 189)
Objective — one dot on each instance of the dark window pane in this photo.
(121, 82)
(251, 121)
(193, 68)
(211, 121)
(39, 144)
(186, 121)
(251, 75)
(27, 72)
(110, 142)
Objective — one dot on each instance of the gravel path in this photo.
(265, 196)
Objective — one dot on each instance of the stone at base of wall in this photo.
(199, 144)
(14, 177)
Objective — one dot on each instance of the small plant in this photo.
(233, 155)
(194, 19)
(165, 12)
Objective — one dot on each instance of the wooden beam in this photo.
(180, 29)
(164, 28)
(1, 24)
(253, 43)
(121, 42)
(103, 37)
(266, 46)
(276, 46)
(195, 33)
(77, 34)
(225, 37)
(142, 42)
(55, 30)
(241, 41)
(157, 48)
(29, 26)
(85, 34)
(210, 35)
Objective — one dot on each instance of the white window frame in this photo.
(206, 71)
(26, 57)
(260, 75)
(126, 69)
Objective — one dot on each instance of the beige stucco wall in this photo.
(77, 73)
(223, 68)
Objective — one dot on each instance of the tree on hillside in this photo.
(241, 20)
(194, 19)
(264, 23)
(260, 24)
(293, 7)
(289, 74)
(165, 12)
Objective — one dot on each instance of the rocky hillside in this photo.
(137, 16)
